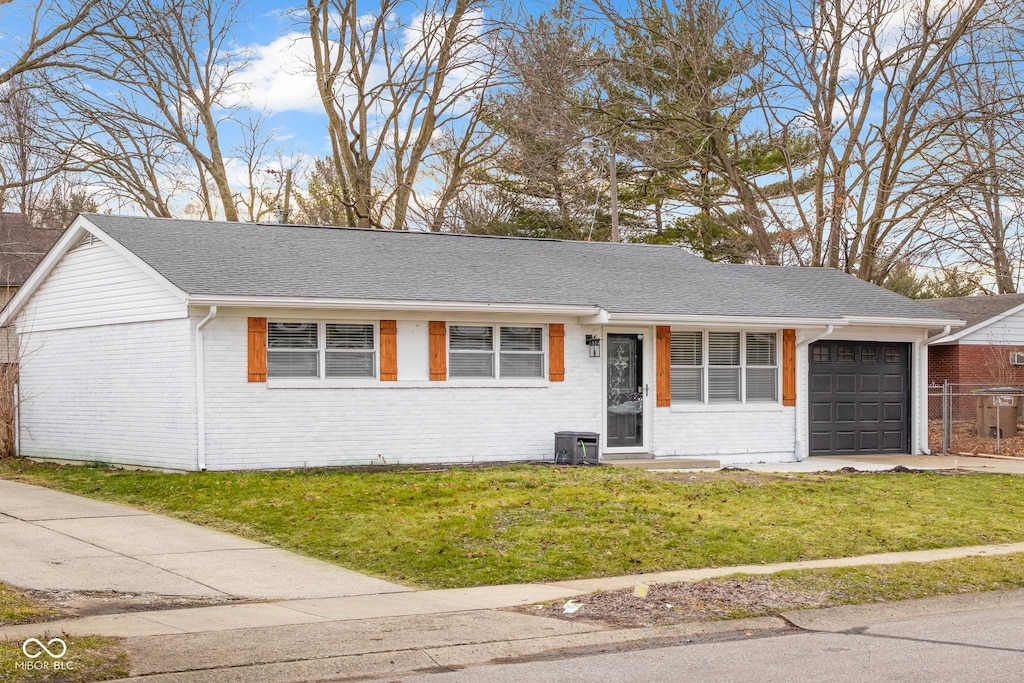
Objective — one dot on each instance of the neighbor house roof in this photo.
(22, 247)
(978, 310)
(207, 260)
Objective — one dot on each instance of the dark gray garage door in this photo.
(859, 397)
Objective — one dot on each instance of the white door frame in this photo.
(647, 351)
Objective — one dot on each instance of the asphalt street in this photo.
(984, 645)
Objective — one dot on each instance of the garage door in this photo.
(859, 397)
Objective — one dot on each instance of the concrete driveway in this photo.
(58, 541)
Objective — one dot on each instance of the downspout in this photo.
(798, 445)
(924, 345)
(200, 395)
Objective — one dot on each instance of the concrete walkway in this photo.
(57, 541)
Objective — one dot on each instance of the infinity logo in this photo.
(44, 648)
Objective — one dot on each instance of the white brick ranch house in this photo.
(194, 345)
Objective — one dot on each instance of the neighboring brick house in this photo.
(979, 353)
(195, 345)
(22, 247)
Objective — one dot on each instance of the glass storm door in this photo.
(625, 390)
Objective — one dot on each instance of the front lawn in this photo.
(477, 526)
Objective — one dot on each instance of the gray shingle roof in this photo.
(298, 261)
(977, 309)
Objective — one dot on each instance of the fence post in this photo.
(947, 401)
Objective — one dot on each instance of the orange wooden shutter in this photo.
(257, 349)
(438, 351)
(388, 350)
(556, 352)
(663, 359)
(789, 367)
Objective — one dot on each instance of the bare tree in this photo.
(985, 103)
(389, 81)
(864, 78)
(160, 89)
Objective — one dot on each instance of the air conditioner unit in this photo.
(1017, 358)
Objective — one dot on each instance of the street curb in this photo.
(455, 657)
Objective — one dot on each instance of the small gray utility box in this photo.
(577, 448)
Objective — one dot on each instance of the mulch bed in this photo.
(674, 603)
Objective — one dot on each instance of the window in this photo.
(349, 350)
(820, 354)
(724, 367)
(476, 351)
(844, 353)
(762, 367)
(893, 354)
(318, 350)
(868, 354)
(292, 350)
(687, 367)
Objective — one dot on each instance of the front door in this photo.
(625, 390)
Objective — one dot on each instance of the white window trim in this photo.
(321, 341)
(731, 406)
(496, 354)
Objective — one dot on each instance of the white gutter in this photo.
(389, 305)
(942, 334)
(901, 322)
(200, 395)
(712, 320)
(798, 445)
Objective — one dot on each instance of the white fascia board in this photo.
(724, 321)
(78, 229)
(979, 326)
(926, 323)
(388, 305)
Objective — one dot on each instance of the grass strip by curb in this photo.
(741, 596)
(18, 608)
(87, 658)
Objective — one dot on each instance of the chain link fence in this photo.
(975, 419)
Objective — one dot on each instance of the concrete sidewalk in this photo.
(58, 541)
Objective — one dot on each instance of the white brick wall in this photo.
(732, 434)
(249, 425)
(112, 393)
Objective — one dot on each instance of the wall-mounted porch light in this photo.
(594, 345)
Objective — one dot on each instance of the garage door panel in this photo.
(821, 382)
(821, 441)
(870, 383)
(893, 384)
(893, 412)
(846, 441)
(846, 383)
(846, 412)
(892, 440)
(859, 397)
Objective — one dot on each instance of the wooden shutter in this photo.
(789, 367)
(388, 351)
(663, 371)
(438, 351)
(257, 349)
(556, 352)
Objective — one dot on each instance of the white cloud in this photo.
(280, 77)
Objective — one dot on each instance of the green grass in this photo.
(908, 580)
(18, 608)
(88, 658)
(467, 527)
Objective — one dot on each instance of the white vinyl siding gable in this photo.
(94, 285)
